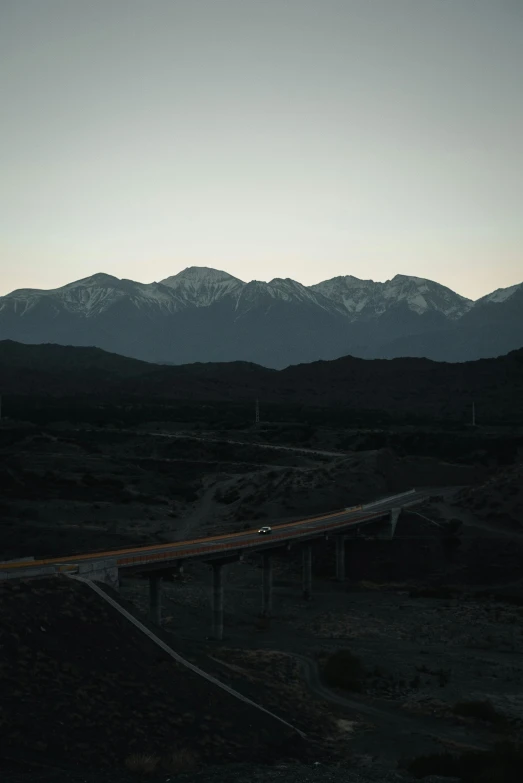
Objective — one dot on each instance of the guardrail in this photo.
(26, 570)
(210, 545)
(14, 565)
(234, 545)
(68, 569)
(150, 553)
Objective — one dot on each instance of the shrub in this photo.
(142, 763)
(345, 670)
(443, 676)
(227, 496)
(481, 710)
(502, 764)
(180, 760)
(263, 623)
(444, 592)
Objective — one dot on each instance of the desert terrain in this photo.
(414, 659)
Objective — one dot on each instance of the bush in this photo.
(227, 496)
(444, 592)
(502, 764)
(345, 670)
(142, 763)
(481, 710)
(443, 676)
(179, 761)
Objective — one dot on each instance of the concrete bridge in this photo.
(219, 551)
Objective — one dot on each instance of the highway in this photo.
(230, 543)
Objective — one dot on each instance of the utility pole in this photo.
(473, 414)
(257, 417)
(0, 407)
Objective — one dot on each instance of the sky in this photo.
(269, 138)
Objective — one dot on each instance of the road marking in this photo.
(178, 658)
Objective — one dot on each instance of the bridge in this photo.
(219, 551)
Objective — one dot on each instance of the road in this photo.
(206, 439)
(253, 443)
(397, 729)
(230, 543)
(400, 728)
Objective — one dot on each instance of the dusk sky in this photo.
(268, 138)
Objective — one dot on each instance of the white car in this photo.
(264, 530)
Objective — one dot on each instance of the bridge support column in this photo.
(394, 514)
(217, 591)
(267, 585)
(155, 599)
(307, 571)
(217, 600)
(340, 558)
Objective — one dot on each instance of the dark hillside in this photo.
(400, 388)
(82, 688)
(51, 357)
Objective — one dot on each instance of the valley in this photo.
(261, 391)
(427, 622)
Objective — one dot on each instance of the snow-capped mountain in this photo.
(203, 314)
(201, 286)
(501, 294)
(365, 298)
(93, 295)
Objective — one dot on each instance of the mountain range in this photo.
(206, 315)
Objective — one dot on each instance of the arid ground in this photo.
(429, 626)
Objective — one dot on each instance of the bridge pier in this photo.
(394, 514)
(155, 599)
(217, 600)
(307, 571)
(217, 592)
(267, 585)
(340, 558)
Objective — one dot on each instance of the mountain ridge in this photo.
(205, 314)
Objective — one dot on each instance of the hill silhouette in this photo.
(398, 387)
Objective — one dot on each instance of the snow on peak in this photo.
(501, 294)
(285, 288)
(98, 279)
(198, 286)
(412, 278)
(199, 275)
(92, 295)
(201, 285)
(369, 298)
(351, 294)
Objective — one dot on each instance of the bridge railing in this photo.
(212, 550)
(208, 546)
